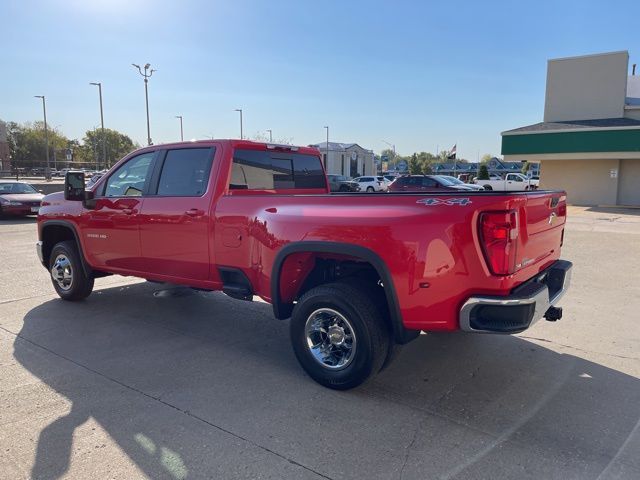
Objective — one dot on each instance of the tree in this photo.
(486, 157)
(415, 166)
(526, 167)
(90, 152)
(263, 137)
(27, 144)
(484, 172)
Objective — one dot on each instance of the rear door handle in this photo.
(194, 212)
(129, 211)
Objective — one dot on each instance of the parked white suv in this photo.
(371, 184)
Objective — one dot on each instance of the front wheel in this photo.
(339, 335)
(370, 190)
(67, 275)
(488, 187)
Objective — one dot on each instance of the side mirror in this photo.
(74, 186)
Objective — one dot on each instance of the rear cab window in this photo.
(269, 170)
(185, 172)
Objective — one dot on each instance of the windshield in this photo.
(445, 180)
(14, 188)
(453, 180)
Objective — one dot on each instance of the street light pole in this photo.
(181, 131)
(326, 158)
(240, 110)
(146, 76)
(46, 135)
(270, 135)
(104, 139)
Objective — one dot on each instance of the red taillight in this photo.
(498, 234)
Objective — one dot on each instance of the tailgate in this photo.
(542, 222)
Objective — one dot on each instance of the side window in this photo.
(185, 172)
(429, 182)
(129, 179)
(265, 170)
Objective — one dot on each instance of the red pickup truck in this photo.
(358, 274)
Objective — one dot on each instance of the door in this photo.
(175, 221)
(628, 178)
(111, 229)
(515, 182)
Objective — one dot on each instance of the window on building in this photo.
(185, 172)
(265, 170)
(342, 165)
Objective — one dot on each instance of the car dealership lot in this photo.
(149, 380)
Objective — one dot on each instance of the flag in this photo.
(452, 153)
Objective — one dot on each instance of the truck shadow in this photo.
(168, 377)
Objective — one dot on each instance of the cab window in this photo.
(185, 172)
(130, 178)
(265, 170)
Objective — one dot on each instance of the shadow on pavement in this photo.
(615, 210)
(172, 379)
(10, 220)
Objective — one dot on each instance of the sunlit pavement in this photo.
(144, 381)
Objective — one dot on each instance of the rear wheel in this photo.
(370, 189)
(339, 336)
(67, 275)
(488, 187)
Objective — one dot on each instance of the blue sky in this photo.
(420, 75)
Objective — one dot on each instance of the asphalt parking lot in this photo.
(143, 380)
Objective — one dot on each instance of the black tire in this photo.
(488, 187)
(80, 285)
(370, 189)
(372, 333)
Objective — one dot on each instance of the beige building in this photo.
(589, 141)
(348, 159)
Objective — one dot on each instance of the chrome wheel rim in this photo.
(330, 338)
(62, 273)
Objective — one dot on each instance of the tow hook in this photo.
(553, 314)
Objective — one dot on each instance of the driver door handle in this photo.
(129, 211)
(194, 212)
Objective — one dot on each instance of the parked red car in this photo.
(18, 198)
(357, 274)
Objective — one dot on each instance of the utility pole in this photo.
(146, 76)
(240, 110)
(46, 135)
(270, 135)
(181, 131)
(104, 139)
(326, 158)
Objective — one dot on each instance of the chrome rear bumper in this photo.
(516, 312)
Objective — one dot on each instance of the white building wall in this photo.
(585, 88)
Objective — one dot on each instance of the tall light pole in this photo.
(240, 110)
(147, 75)
(46, 135)
(270, 135)
(326, 158)
(181, 131)
(104, 139)
(392, 146)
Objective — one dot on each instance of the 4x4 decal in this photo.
(445, 201)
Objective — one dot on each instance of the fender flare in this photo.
(70, 226)
(283, 310)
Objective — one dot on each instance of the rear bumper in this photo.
(526, 304)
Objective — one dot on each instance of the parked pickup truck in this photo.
(357, 274)
(512, 182)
